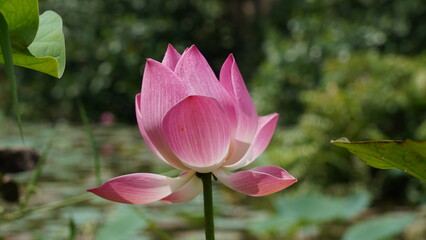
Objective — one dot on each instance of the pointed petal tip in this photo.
(193, 49)
(172, 49)
(273, 117)
(104, 193)
(230, 57)
(139, 188)
(154, 68)
(137, 98)
(150, 61)
(226, 66)
(148, 64)
(171, 57)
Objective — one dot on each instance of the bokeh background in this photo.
(331, 68)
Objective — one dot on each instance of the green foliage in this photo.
(6, 49)
(22, 19)
(301, 35)
(379, 228)
(284, 44)
(409, 156)
(106, 56)
(36, 43)
(48, 47)
(367, 96)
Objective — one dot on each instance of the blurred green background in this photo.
(331, 68)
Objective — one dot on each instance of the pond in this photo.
(60, 208)
(66, 209)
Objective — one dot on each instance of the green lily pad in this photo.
(379, 228)
(123, 223)
(408, 155)
(37, 42)
(309, 209)
(316, 207)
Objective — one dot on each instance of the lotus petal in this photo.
(142, 129)
(186, 193)
(140, 188)
(195, 72)
(171, 57)
(232, 81)
(161, 90)
(198, 132)
(265, 130)
(259, 181)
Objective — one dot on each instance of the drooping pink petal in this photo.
(195, 72)
(161, 89)
(171, 57)
(232, 81)
(265, 130)
(186, 193)
(198, 132)
(259, 181)
(140, 188)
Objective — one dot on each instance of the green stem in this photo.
(56, 205)
(6, 49)
(89, 132)
(35, 176)
(208, 204)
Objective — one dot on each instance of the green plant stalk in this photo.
(10, 73)
(32, 184)
(208, 204)
(60, 204)
(73, 229)
(89, 132)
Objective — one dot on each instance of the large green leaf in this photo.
(37, 42)
(379, 228)
(409, 156)
(48, 47)
(22, 19)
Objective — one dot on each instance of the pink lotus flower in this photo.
(196, 123)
